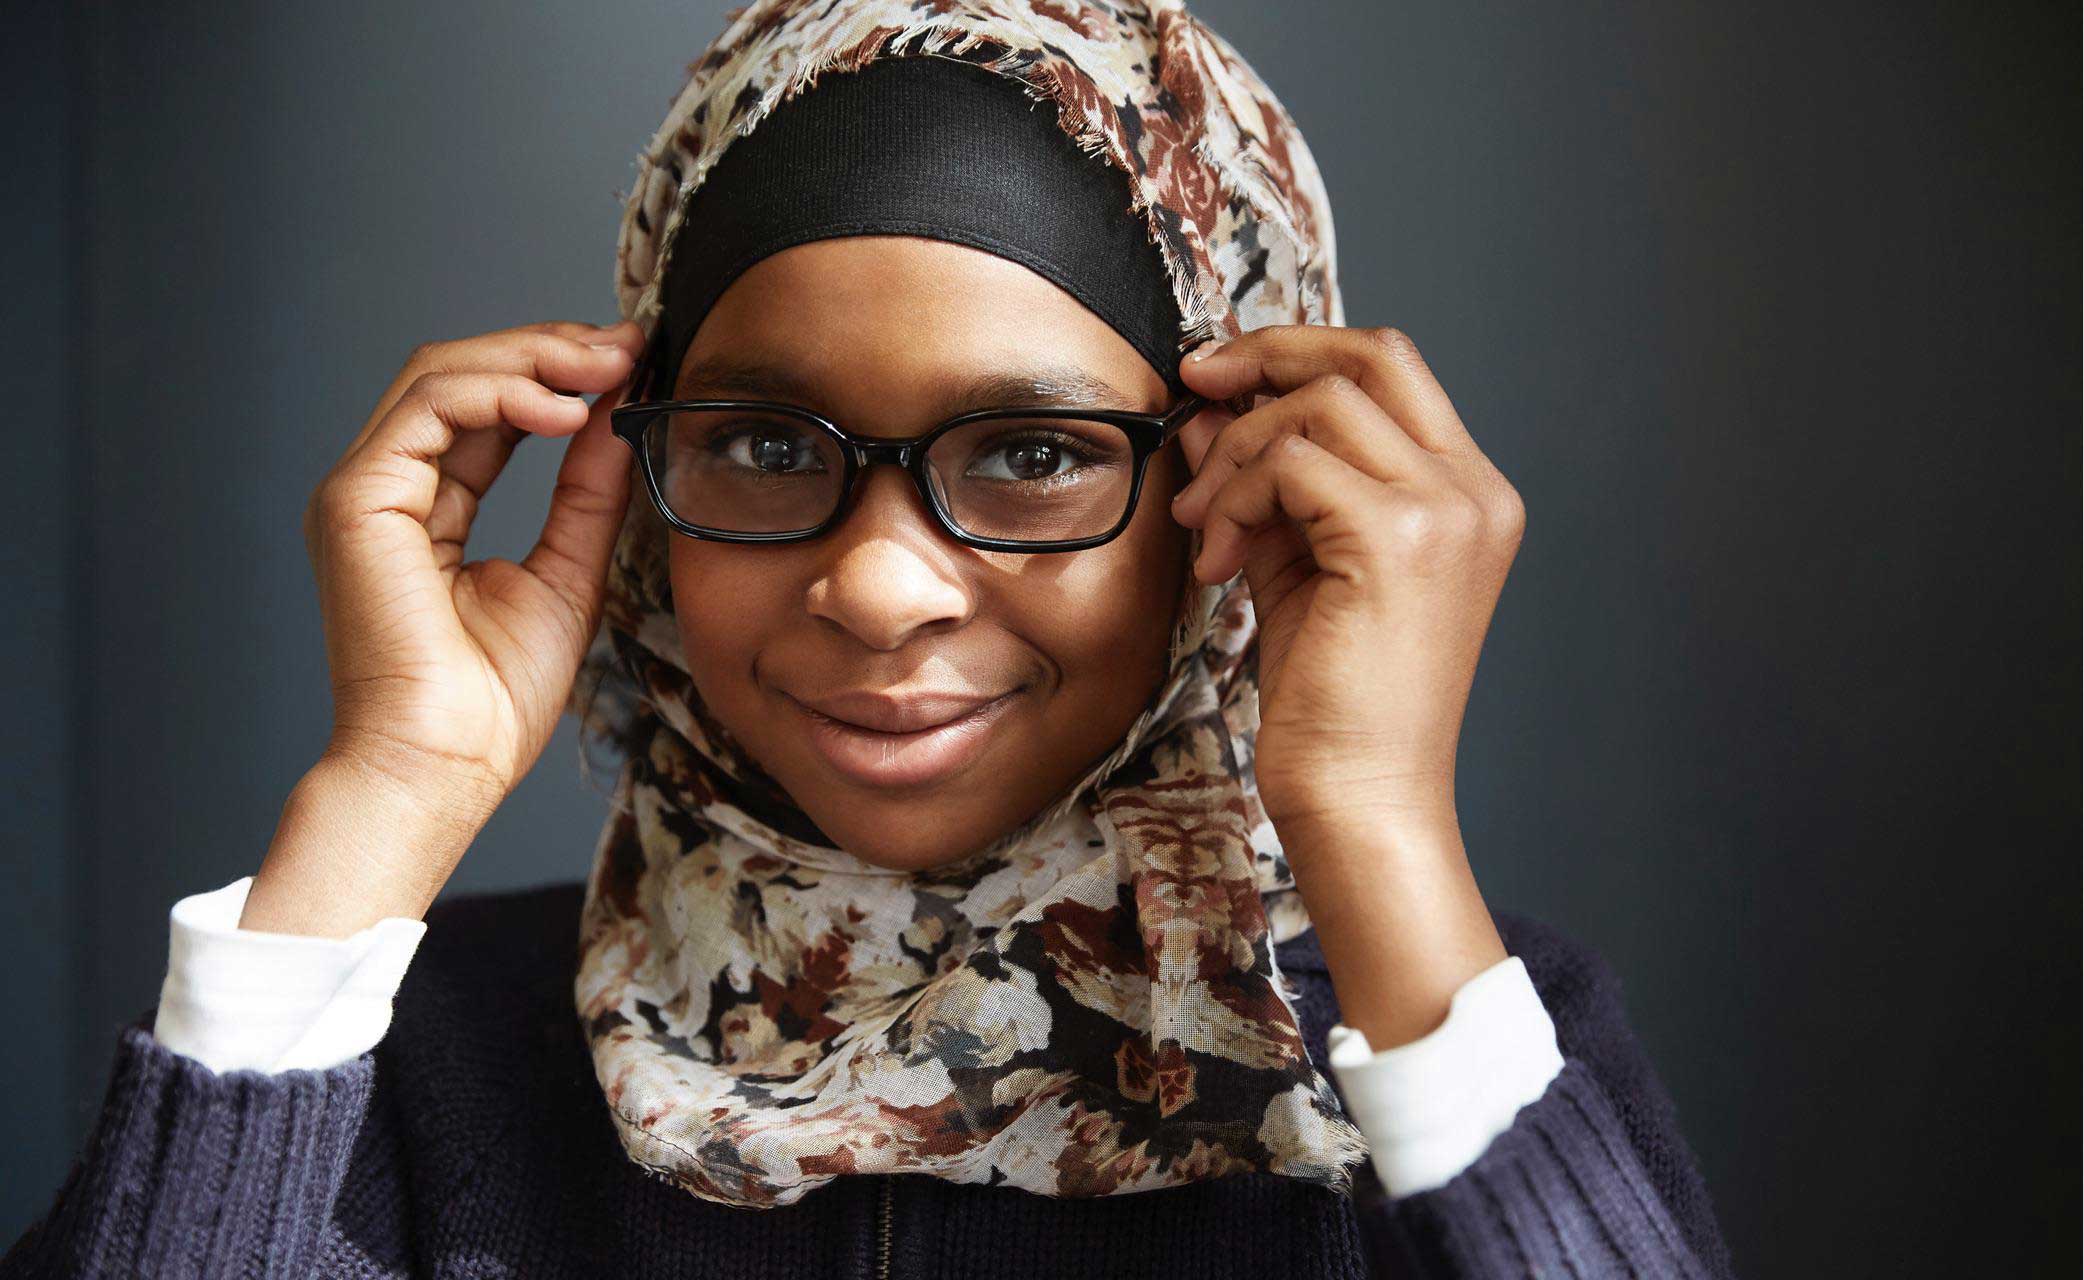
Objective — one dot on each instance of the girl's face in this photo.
(886, 619)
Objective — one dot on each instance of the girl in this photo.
(1009, 838)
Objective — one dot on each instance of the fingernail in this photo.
(1205, 350)
(564, 395)
(605, 346)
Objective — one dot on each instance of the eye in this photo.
(1029, 454)
(768, 448)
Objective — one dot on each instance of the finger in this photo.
(1201, 431)
(476, 459)
(563, 355)
(468, 470)
(1301, 480)
(1330, 409)
(382, 495)
(551, 352)
(397, 468)
(1384, 362)
(586, 511)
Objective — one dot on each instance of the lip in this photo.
(896, 713)
(935, 735)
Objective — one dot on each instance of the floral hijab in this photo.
(1090, 1006)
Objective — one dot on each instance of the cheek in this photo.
(721, 642)
(1159, 543)
(1112, 623)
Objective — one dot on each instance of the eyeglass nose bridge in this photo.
(906, 455)
(898, 453)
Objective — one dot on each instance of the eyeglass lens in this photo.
(1042, 479)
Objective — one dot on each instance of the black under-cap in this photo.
(927, 146)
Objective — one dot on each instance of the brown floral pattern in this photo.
(1091, 1005)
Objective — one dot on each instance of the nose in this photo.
(889, 571)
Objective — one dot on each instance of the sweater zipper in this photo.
(883, 1231)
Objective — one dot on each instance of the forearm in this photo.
(358, 843)
(1397, 913)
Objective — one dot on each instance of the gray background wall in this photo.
(1771, 312)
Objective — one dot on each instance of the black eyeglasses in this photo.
(1017, 479)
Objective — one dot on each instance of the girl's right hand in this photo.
(450, 673)
(449, 677)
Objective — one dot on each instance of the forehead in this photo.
(891, 327)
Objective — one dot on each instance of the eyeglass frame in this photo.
(1147, 432)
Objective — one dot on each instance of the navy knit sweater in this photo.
(473, 1141)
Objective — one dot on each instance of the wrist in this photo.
(1366, 806)
(1397, 914)
(356, 845)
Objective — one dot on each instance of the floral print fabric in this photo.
(1091, 1005)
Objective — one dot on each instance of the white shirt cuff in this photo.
(1431, 1107)
(246, 999)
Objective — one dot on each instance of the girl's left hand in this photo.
(1374, 536)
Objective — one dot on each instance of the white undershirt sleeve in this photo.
(246, 999)
(1431, 1107)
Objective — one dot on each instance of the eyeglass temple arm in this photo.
(641, 372)
(1183, 413)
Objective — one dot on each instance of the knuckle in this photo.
(1332, 403)
(429, 386)
(1395, 344)
(1461, 517)
(1334, 387)
(1412, 526)
(357, 500)
(1234, 448)
(1508, 512)
(580, 499)
(328, 508)
(1435, 527)
(1267, 342)
(548, 342)
(448, 392)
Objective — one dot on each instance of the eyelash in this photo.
(1076, 449)
(1068, 442)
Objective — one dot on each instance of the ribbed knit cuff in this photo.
(1562, 1192)
(189, 1172)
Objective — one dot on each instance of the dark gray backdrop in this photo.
(1770, 312)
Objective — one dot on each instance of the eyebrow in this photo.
(1066, 386)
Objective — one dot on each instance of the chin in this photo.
(904, 835)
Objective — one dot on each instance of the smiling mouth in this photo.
(909, 732)
(906, 758)
(896, 714)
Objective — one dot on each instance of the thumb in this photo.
(586, 511)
